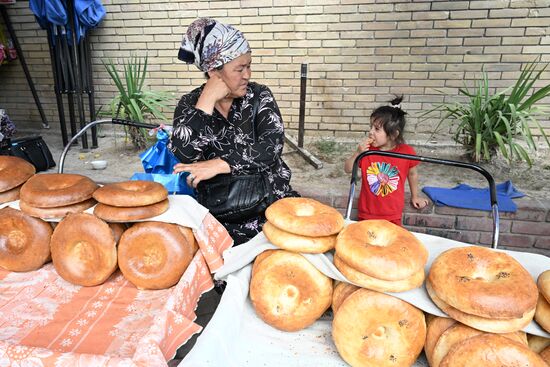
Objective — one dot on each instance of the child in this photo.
(382, 193)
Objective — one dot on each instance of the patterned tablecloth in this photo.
(46, 321)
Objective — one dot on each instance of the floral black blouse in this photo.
(198, 136)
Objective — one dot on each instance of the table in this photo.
(46, 321)
(235, 336)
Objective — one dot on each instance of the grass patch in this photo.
(330, 150)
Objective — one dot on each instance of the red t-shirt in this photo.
(383, 180)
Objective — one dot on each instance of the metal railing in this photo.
(95, 123)
(475, 167)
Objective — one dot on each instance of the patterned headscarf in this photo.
(209, 44)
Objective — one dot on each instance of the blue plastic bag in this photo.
(158, 159)
(158, 163)
(176, 184)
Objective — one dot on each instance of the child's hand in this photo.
(419, 203)
(364, 145)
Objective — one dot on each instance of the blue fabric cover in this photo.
(88, 14)
(465, 196)
(49, 12)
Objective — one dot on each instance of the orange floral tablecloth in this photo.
(46, 321)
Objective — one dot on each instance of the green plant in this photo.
(134, 101)
(486, 122)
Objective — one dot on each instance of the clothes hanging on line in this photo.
(7, 48)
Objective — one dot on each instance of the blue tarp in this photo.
(468, 197)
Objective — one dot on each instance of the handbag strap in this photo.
(255, 105)
(44, 151)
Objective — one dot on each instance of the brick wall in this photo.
(359, 53)
(528, 229)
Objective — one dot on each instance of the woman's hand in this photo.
(214, 90)
(202, 170)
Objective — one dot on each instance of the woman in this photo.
(214, 130)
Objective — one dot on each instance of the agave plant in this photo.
(133, 101)
(486, 122)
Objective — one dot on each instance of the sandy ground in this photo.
(123, 160)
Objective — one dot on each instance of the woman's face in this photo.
(236, 75)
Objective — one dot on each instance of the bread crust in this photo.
(542, 313)
(57, 212)
(477, 322)
(458, 333)
(491, 350)
(154, 255)
(298, 243)
(543, 283)
(84, 249)
(10, 195)
(131, 193)
(287, 291)
(304, 216)
(483, 282)
(341, 291)
(14, 171)
(24, 241)
(537, 343)
(545, 355)
(128, 214)
(380, 285)
(381, 249)
(435, 327)
(372, 329)
(50, 190)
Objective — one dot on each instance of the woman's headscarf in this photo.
(209, 44)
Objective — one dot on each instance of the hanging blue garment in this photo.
(87, 14)
(48, 12)
(90, 12)
(468, 197)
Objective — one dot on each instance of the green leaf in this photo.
(486, 151)
(133, 101)
(477, 151)
(485, 121)
(152, 109)
(501, 144)
(523, 154)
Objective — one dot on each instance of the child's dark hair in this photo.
(391, 118)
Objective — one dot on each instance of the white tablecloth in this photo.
(237, 337)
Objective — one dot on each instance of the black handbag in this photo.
(236, 198)
(33, 149)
